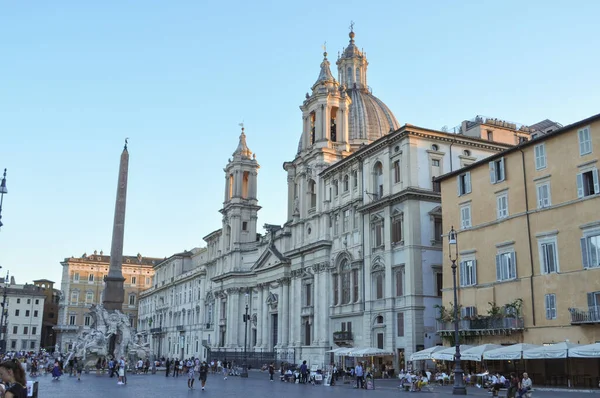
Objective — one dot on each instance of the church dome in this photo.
(369, 118)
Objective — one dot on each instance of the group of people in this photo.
(517, 387)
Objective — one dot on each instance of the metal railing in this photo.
(483, 323)
(581, 316)
(339, 336)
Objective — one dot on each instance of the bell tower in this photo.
(325, 113)
(240, 207)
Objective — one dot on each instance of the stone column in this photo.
(324, 314)
(316, 307)
(285, 312)
(293, 311)
(259, 316)
(280, 311)
(234, 323)
(265, 323)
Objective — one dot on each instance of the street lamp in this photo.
(459, 384)
(3, 190)
(245, 365)
(4, 316)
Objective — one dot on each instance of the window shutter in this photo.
(502, 172)
(584, 253)
(468, 182)
(493, 172)
(458, 185)
(591, 303)
(540, 194)
(461, 273)
(498, 267)
(582, 141)
(463, 312)
(596, 185)
(548, 307)
(513, 264)
(580, 185)
(474, 272)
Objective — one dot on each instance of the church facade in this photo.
(358, 261)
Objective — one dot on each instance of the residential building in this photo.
(82, 285)
(529, 241)
(23, 315)
(50, 317)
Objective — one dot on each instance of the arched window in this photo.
(357, 74)
(345, 277)
(349, 77)
(245, 182)
(312, 191)
(228, 237)
(336, 289)
(313, 129)
(230, 186)
(378, 180)
(346, 183)
(379, 288)
(379, 320)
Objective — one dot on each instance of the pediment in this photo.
(269, 258)
(436, 211)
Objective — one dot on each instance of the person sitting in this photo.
(526, 385)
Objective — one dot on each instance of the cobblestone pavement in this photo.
(256, 386)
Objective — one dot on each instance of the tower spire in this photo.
(325, 75)
(242, 148)
(113, 290)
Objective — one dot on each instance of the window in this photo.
(587, 183)
(37, 301)
(548, 255)
(148, 281)
(245, 184)
(378, 180)
(397, 171)
(16, 312)
(585, 142)
(34, 330)
(435, 162)
(355, 285)
(543, 195)
(132, 299)
(74, 297)
(380, 341)
(590, 250)
(72, 319)
(437, 229)
(355, 179)
(335, 187)
(76, 277)
(25, 330)
(377, 231)
(18, 301)
(336, 224)
(27, 313)
(540, 156)
(308, 294)
(336, 290)
(90, 277)
(87, 320)
(346, 183)
(400, 282)
(464, 183)
(312, 190)
(13, 344)
(439, 283)
(465, 216)
(28, 301)
(379, 285)
(490, 135)
(397, 222)
(506, 266)
(346, 222)
(32, 345)
(468, 273)
(400, 326)
(134, 280)
(244, 225)
(551, 306)
(497, 173)
(594, 302)
(35, 313)
(15, 329)
(435, 147)
(502, 206)
(346, 287)
(89, 297)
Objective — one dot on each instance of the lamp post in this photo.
(3, 190)
(4, 316)
(459, 384)
(245, 365)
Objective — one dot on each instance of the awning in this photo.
(510, 352)
(554, 351)
(426, 353)
(585, 351)
(475, 353)
(447, 354)
(341, 351)
(369, 352)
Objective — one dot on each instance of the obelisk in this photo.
(113, 290)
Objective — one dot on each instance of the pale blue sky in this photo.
(177, 77)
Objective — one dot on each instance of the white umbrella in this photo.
(554, 351)
(369, 352)
(426, 353)
(475, 353)
(342, 351)
(510, 352)
(585, 351)
(447, 354)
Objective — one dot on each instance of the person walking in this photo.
(168, 367)
(271, 371)
(203, 371)
(303, 372)
(360, 375)
(79, 368)
(190, 370)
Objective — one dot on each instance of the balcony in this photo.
(482, 326)
(339, 337)
(307, 310)
(180, 328)
(156, 330)
(585, 317)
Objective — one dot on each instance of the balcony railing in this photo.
(342, 336)
(156, 330)
(482, 326)
(587, 316)
(180, 328)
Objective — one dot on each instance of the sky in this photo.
(177, 77)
